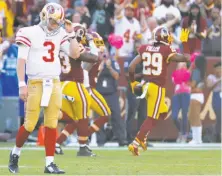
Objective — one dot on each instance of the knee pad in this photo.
(29, 126)
(51, 123)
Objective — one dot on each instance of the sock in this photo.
(16, 150)
(97, 124)
(83, 131)
(21, 136)
(50, 141)
(194, 133)
(69, 129)
(146, 127)
(49, 160)
(136, 144)
(199, 134)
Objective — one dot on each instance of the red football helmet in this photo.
(161, 35)
(80, 31)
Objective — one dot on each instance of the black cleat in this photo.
(123, 143)
(13, 163)
(88, 148)
(58, 150)
(84, 151)
(53, 169)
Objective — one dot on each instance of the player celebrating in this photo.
(38, 49)
(155, 59)
(76, 99)
(97, 102)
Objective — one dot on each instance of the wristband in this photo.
(22, 84)
(93, 49)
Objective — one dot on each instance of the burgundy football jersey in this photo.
(155, 62)
(71, 69)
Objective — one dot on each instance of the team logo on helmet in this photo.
(50, 9)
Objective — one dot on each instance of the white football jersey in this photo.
(43, 55)
(128, 30)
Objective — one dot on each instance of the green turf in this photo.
(116, 162)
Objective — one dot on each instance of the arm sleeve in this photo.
(23, 38)
(23, 52)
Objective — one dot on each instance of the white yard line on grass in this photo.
(120, 148)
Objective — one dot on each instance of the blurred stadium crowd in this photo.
(202, 17)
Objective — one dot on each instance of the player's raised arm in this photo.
(176, 57)
(69, 43)
(74, 51)
(132, 67)
(180, 57)
(91, 53)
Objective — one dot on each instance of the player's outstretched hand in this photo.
(23, 93)
(184, 35)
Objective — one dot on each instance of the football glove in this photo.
(133, 84)
(184, 35)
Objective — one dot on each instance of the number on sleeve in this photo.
(51, 48)
(152, 63)
(66, 66)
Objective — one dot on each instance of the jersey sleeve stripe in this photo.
(24, 38)
(23, 42)
(168, 59)
(64, 39)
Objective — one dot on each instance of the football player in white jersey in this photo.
(38, 50)
(128, 27)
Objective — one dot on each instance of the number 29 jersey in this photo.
(43, 55)
(155, 59)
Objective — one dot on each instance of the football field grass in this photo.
(121, 162)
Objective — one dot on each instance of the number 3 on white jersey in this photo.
(152, 63)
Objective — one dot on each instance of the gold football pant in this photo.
(98, 103)
(51, 113)
(76, 103)
(155, 97)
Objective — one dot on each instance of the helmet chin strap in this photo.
(44, 25)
